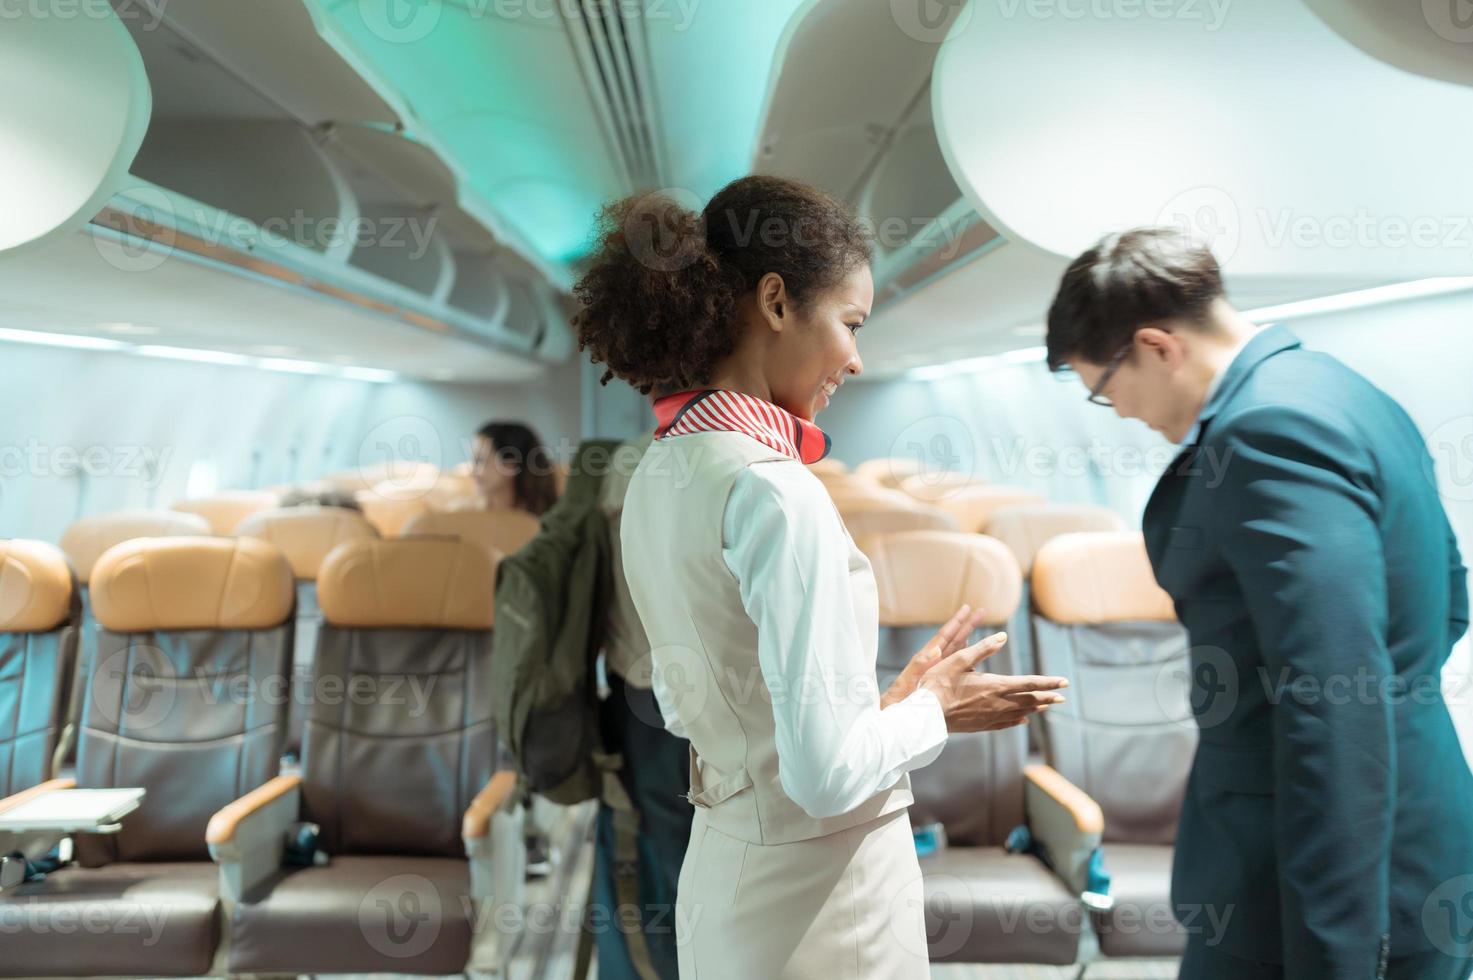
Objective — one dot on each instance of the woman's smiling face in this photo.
(819, 350)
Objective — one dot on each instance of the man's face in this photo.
(1156, 381)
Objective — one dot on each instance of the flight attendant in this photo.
(760, 611)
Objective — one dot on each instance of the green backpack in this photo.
(552, 601)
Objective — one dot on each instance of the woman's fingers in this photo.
(1031, 698)
(973, 655)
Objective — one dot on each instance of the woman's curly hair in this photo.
(658, 306)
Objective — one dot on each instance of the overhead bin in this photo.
(1060, 129)
(1429, 38)
(77, 103)
(849, 110)
(274, 173)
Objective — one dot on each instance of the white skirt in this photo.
(849, 906)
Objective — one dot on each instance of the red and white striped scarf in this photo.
(718, 410)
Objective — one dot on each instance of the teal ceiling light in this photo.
(547, 109)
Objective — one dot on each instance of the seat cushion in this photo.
(358, 915)
(121, 919)
(984, 905)
(1141, 922)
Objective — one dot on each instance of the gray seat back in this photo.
(974, 788)
(185, 698)
(390, 766)
(1125, 735)
(39, 613)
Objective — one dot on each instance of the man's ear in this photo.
(772, 300)
(1161, 345)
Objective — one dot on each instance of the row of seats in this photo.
(1117, 752)
(305, 535)
(194, 638)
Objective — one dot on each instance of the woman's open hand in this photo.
(948, 640)
(978, 702)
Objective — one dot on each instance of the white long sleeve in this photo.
(785, 545)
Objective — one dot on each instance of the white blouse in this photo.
(785, 545)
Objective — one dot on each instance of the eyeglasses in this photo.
(1096, 394)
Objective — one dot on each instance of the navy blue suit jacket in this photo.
(1305, 546)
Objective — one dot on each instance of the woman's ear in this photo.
(772, 300)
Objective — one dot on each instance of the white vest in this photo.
(704, 645)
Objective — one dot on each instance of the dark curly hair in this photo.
(658, 306)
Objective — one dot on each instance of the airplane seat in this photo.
(888, 472)
(827, 467)
(980, 788)
(391, 504)
(40, 613)
(305, 535)
(1025, 529)
(973, 505)
(400, 780)
(84, 541)
(192, 633)
(225, 510)
(1126, 734)
(867, 519)
(500, 532)
(928, 486)
(401, 472)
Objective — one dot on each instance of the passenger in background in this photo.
(1328, 820)
(512, 468)
(319, 495)
(655, 776)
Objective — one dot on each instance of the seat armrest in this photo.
(495, 845)
(247, 837)
(498, 794)
(494, 840)
(31, 844)
(1066, 821)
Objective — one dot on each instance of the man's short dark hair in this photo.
(1126, 281)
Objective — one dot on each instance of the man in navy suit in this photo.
(1329, 813)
